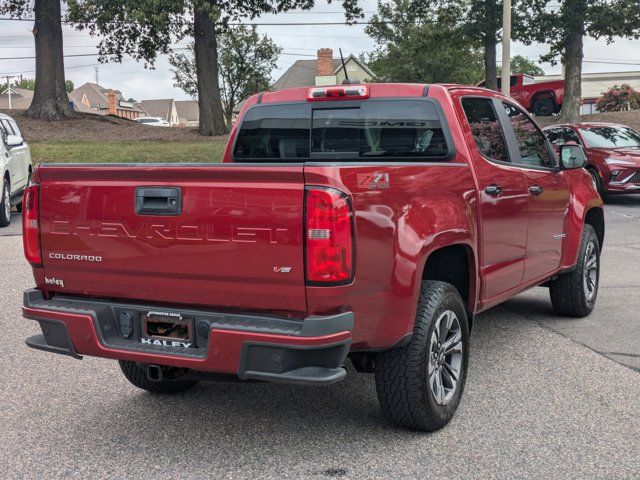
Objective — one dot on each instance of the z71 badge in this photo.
(373, 181)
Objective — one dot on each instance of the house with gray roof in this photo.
(321, 71)
(94, 98)
(188, 113)
(162, 108)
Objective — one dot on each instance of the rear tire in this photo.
(136, 373)
(5, 204)
(419, 385)
(544, 107)
(574, 293)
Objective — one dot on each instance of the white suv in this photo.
(15, 165)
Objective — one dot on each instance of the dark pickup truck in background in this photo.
(369, 222)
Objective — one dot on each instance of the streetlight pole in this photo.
(506, 47)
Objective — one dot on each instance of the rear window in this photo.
(370, 130)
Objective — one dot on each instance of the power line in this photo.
(251, 24)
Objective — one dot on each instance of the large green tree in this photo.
(520, 64)
(50, 101)
(483, 21)
(143, 29)
(245, 63)
(563, 27)
(419, 42)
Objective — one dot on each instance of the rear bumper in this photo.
(310, 351)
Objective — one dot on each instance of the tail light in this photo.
(31, 225)
(329, 236)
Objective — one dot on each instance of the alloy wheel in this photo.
(445, 357)
(590, 271)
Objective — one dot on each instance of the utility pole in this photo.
(96, 69)
(9, 77)
(506, 47)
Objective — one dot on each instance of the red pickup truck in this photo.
(363, 221)
(542, 98)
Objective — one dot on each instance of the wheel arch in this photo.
(595, 218)
(454, 264)
(544, 94)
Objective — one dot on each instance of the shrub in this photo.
(617, 98)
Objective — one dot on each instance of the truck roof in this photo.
(376, 90)
(587, 125)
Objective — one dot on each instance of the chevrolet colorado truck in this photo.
(542, 98)
(369, 222)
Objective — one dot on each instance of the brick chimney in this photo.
(111, 95)
(325, 62)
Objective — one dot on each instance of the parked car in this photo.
(364, 221)
(612, 150)
(541, 98)
(15, 165)
(153, 121)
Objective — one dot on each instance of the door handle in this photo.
(493, 190)
(536, 190)
(158, 201)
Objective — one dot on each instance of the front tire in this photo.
(419, 385)
(5, 204)
(136, 374)
(574, 293)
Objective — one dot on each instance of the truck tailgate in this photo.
(237, 241)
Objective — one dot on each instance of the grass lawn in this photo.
(126, 152)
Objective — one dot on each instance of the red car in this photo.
(613, 153)
(541, 98)
(370, 222)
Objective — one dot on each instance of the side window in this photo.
(3, 136)
(554, 135)
(14, 125)
(513, 82)
(7, 127)
(532, 144)
(569, 135)
(486, 128)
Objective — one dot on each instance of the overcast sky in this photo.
(298, 42)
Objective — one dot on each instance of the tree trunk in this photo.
(50, 100)
(490, 68)
(206, 55)
(490, 41)
(572, 78)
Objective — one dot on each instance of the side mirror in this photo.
(572, 156)
(14, 141)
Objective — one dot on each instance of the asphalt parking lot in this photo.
(546, 397)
